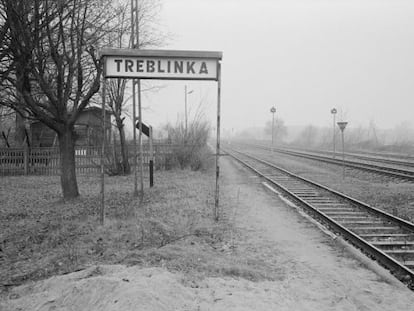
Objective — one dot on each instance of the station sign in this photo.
(161, 64)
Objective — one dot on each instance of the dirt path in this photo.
(307, 269)
(320, 273)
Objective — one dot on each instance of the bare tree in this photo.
(6, 125)
(357, 136)
(50, 69)
(149, 36)
(116, 87)
(372, 131)
(402, 133)
(308, 137)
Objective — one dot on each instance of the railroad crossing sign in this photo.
(342, 125)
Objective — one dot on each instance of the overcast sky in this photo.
(302, 56)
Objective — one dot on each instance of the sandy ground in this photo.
(310, 270)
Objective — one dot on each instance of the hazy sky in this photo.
(302, 56)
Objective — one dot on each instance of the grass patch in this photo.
(43, 235)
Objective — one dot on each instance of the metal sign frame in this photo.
(160, 55)
(181, 55)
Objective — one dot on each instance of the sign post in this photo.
(136, 88)
(147, 131)
(333, 112)
(217, 192)
(151, 157)
(273, 110)
(102, 212)
(342, 126)
(168, 65)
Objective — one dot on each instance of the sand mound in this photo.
(105, 288)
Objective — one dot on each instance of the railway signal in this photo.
(273, 110)
(334, 111)
(342, 126)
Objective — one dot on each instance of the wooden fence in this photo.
(46, 161)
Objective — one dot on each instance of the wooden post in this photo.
(334, 136)
(343, 156)
(134, 119)
(135, 29)
(151, 158)
(26, 151)
(141, 153)
(134, 12)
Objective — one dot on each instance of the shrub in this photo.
(190, 145)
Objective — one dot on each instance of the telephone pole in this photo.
(136, 97)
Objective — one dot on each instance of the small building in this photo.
(88, 130)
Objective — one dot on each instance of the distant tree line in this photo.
(400, 138)
(370, 137)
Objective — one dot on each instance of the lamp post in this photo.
(185, 112)
(333, 111)
(342, 126)
(273, 110)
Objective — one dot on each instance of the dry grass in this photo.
(43, 236)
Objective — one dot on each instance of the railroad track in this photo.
(396, 156)
(382, 236)
(403, 161)
(393, 172)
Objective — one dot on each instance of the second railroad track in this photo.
(385, 168)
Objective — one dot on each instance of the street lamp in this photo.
(333, 111)
(185, 101)
(342, 126)
(273, 110)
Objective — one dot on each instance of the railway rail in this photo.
(385, 170)
(382, 236)
(404, 161)
(386, 155)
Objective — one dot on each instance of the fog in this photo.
(303, 57)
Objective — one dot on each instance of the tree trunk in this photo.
(67, 164)
(124, 148)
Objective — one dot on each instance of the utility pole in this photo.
(136, 96)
